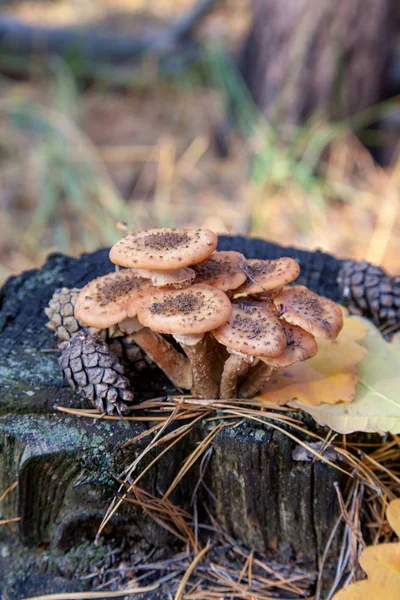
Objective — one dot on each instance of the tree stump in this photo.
(65, 465)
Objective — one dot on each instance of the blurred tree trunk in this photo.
(327, 55)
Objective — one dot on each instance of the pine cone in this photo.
(367, 290)
(96, 373)
(61, 314)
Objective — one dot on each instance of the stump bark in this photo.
(65, 465)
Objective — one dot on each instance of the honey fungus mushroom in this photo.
(188, 315)
(253, 330)
(164, 255)
(317, 315)
(101, 303)
(265, 278)
(222, 270)
(111, 300)
(305, 315)
(300, 346)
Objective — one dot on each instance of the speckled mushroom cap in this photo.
(265, 275)
(252, 329)
(222, 270)
(193, 310)
(300, 346)
(102, 302)
(164, 249)
(317, 315)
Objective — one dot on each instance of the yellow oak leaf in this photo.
(374, 558)
(393, 515)
(329, 377)
(386, 588)
(382, 565)
(376, 407)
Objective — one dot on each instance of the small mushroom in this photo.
(189, 314)
(253, 330)
(102, 302)
(164, 255)
(266, 277)
(300, 346)
(317, 315)
(222, 270)
(111, 302)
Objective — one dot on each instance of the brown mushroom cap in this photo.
(300, 346)
(265, 275)
(194, 310)
(317, 315)
(252, 329)
(222, 270)
(164, 249)
(102, 302)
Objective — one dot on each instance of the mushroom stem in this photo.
(257, 378)
(235, 368)
(174, 364)
(218, 355)
(201, 356)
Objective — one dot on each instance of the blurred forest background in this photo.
(243, 116)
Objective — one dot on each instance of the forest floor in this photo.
(75, 160)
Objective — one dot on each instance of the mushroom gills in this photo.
(175, 278)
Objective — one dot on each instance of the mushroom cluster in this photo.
(215, 323)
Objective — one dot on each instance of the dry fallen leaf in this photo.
(382, 565)
(376, 407)
(393, 515)
(386, 588)
(329, 377)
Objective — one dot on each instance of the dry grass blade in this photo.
(6, 521)
(157, 458)
(374, 484)
(166, 514)
(142, 435)
(8, 490)
(352, 541)
(250, 415)
(195, 416)
(92, 595)
(350, 517)
(237, 589)
(379, 466)
(176, 436)
(118, 501)
(191, 459)
(2, 497)
(189, 571)
(374, 481)
(296, 584)
(94, 414)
